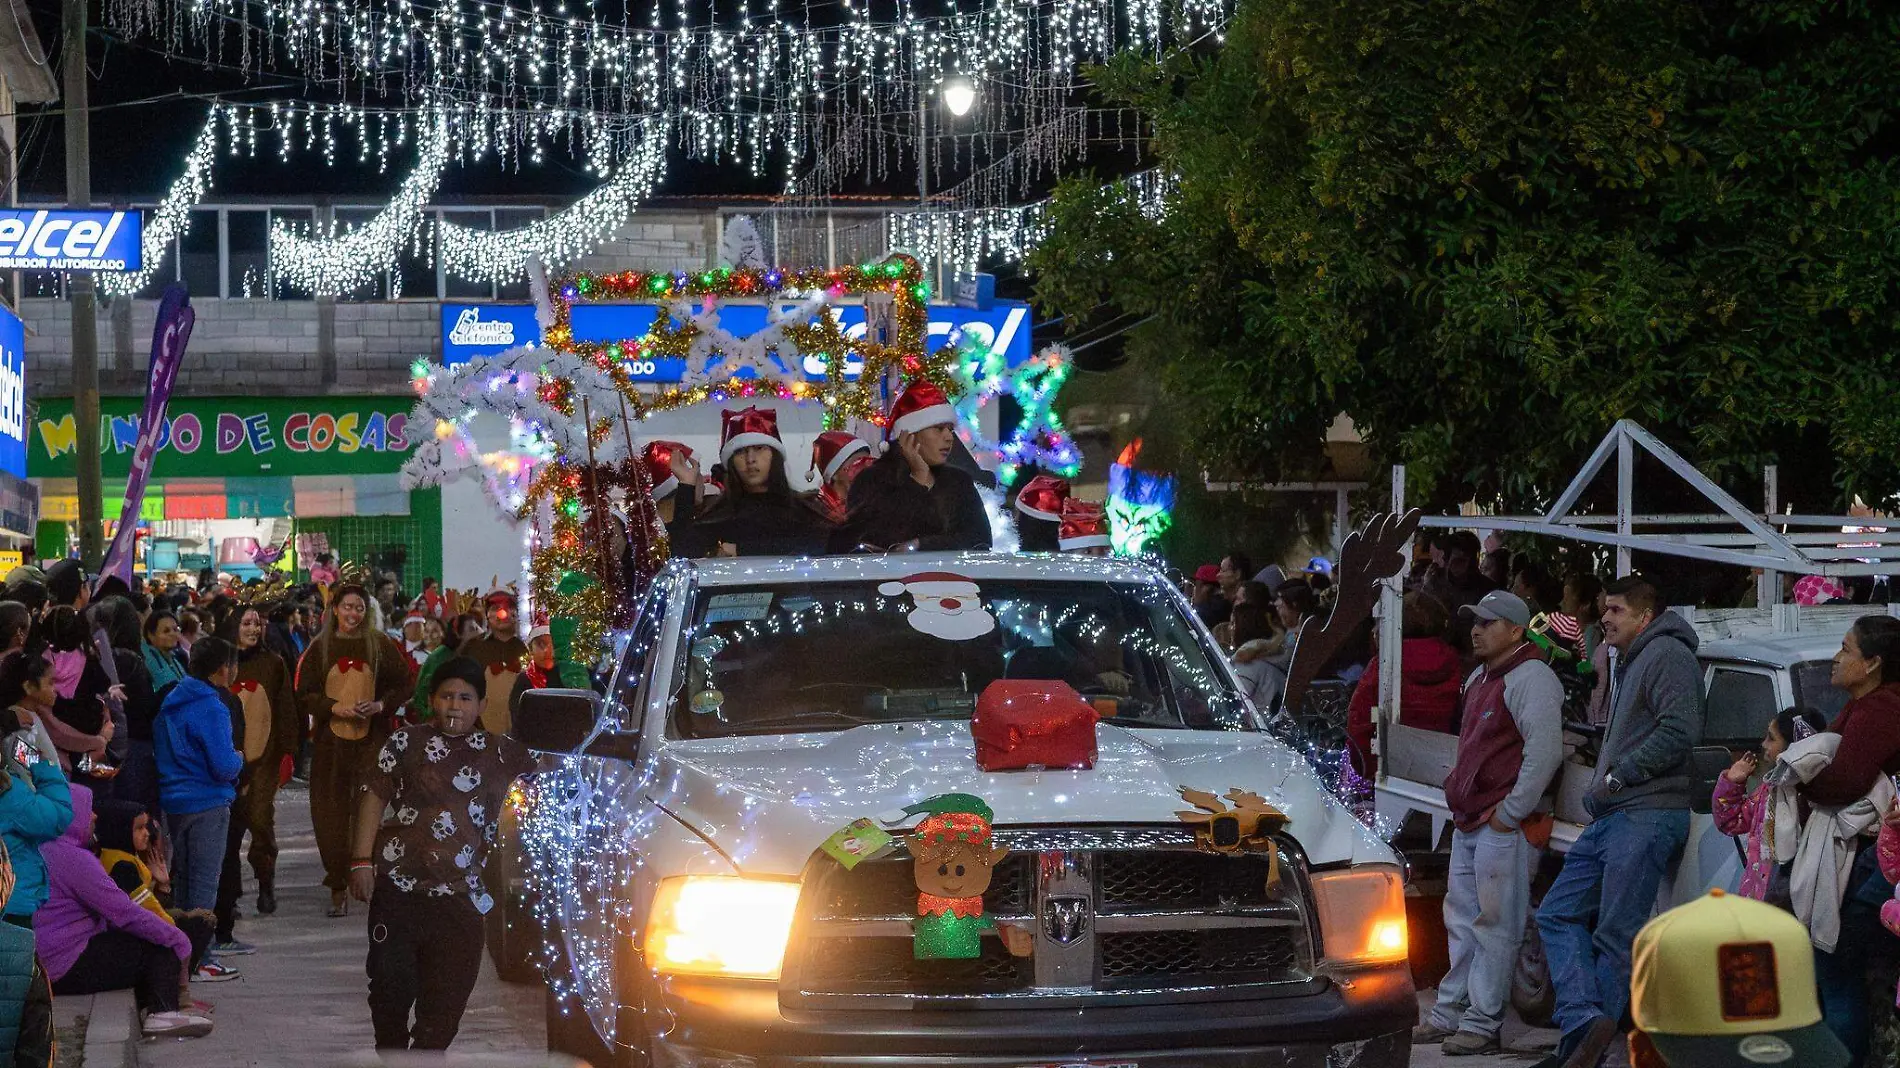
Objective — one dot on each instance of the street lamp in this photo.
(959, 94)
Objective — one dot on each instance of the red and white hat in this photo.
(748, 427)
(834, 449)
(931, 584)
(1084, 525)
(658, 456)
(920, 405)
(1042, 498)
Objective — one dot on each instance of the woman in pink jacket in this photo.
(92, 937)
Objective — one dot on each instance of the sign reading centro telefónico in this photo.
(57, 240)
(234, 437)
(12, 394)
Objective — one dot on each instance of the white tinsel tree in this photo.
(740, 245)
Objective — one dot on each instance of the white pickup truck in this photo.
(691, 916)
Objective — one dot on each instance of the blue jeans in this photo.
(198, 840)
(1630, 851)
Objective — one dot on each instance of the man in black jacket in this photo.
(913, 498)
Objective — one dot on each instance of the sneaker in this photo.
(213, 972)
(1427, 1033)
(1471, 1044)
(176, 1025)
(194, 1007)
(233, 948)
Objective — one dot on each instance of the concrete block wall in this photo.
(308, 347)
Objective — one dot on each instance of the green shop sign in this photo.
(221, 437)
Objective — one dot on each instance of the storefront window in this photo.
(199, 264)
(248, 263)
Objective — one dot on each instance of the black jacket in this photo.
(888, 507)
(758, 525)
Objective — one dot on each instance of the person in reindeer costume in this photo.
(499, 651)
(349, 682)
(273, 729)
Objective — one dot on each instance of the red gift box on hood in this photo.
(1029, 723)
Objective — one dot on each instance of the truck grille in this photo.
(1159, 920)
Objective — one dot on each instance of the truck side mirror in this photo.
(557, 721)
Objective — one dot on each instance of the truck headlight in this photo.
(1362, 914)
(720, 925)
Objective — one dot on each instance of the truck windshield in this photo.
(827, 656)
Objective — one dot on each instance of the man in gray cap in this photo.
(1510, 746)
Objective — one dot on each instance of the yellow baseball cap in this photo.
(1728, 982)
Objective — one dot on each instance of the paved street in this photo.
(300, 1003)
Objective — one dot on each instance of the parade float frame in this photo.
(572, 408)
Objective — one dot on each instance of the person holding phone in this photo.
(912, 498)
(36, 805)
(760, 514)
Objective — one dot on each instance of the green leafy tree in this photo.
(1487, 230)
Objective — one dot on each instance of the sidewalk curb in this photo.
(112, 1031)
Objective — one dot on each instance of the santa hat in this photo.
(930, 584)
(416, 615)
(748, 427)
(920, 405)
(1084, 525)
(832, 450)
(658, 456)
(1042, 498)
(498, 592)
(539, 630)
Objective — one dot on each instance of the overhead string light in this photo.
(172, 219)
(787, 83)
(485, 255)
(338, 263)
(964, 239)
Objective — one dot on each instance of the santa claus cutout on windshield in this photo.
(943, 605)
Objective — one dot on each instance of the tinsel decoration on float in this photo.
(572, 469)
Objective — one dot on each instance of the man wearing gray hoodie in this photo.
(1639, 807)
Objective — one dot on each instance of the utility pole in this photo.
(85, 318)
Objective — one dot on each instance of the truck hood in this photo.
(767, 802)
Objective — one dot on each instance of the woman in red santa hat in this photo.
(911, 498)
(759, 514)
(838, 458)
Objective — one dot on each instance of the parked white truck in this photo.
(692, 917)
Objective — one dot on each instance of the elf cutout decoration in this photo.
(953, 862)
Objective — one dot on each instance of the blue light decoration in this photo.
(1039, 439)
(1140, 504)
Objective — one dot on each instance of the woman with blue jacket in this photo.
(35, 802)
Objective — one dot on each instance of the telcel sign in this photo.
(53, 240)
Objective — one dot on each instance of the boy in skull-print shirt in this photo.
(429, 812)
